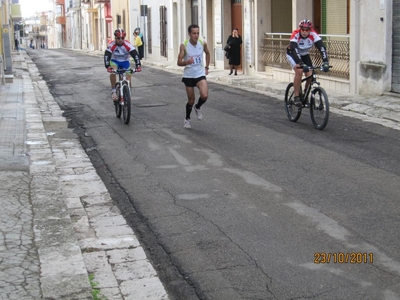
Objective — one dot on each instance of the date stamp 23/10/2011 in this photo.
(343, 257)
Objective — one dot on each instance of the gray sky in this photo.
(29, 7)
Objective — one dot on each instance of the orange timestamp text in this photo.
(343, 258)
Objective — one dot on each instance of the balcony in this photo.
(16, 15)
(60, 20)
(60, 2)
(86, 1)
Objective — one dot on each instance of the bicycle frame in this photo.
(313, 81)
(123, 104)
(121, 82)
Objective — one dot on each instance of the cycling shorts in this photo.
(120, 64)
(306, 59)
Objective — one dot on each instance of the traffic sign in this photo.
(108, 19)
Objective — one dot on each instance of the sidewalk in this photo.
(58, 222)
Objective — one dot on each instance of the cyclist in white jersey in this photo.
(117, 56)
(191, 57)
(301, 41)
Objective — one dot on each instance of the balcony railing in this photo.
(101, 1)
(273, 52)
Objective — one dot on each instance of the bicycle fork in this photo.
(121, 94)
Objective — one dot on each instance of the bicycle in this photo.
(123, 104)
(319, 103)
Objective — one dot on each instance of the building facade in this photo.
(10, 31)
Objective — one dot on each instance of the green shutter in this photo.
(323, 16)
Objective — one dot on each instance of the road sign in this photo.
(108, 19)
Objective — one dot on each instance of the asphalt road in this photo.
(246, 205)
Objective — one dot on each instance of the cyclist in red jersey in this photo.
(301, 41)
(117, 56)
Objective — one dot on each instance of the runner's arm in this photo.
(208, 56)
(181, 56)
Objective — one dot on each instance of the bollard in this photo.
(3, 79)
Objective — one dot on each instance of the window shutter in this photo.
(336, 20)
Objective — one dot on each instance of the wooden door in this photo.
(236, 21)
(163, 31)
(317, 16)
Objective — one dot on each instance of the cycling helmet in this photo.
(119, 32)
(305, 24)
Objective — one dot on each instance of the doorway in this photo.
(237, 22)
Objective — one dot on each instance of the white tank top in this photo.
(196, 69)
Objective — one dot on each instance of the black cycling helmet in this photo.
(305, 24)
(119, 32)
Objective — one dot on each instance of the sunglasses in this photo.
(305, 29)
(119, 38)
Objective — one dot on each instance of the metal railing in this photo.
(273, 52)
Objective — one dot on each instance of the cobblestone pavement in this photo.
(58, 222)
(19, 261)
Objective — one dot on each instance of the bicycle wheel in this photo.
(127, 104)
(117, 104)
(319, 108)
(292, 111)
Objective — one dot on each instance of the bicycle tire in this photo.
(127, 104)
(117, 104)
(292, 111)
(319, 108)
(118, 109)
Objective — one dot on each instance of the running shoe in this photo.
(198, 113)
(186, 124)
(114, 96)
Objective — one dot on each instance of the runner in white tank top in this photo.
(191, 57)
(196, 69)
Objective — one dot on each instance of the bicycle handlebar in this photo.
(122, 71)
(315, 67)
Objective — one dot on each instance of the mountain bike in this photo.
(123, 104)
(319, 103)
